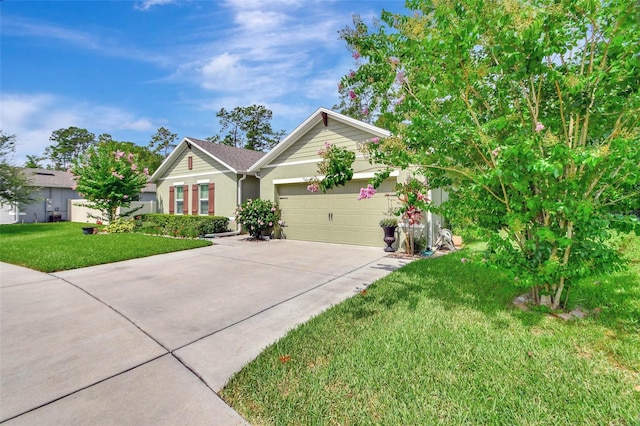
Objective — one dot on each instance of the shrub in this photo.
(121, 226)
(257, 215)
(181, 226)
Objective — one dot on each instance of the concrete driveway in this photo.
(152, 341)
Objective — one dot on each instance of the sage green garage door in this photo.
(337, 216)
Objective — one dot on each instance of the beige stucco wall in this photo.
(204, 170)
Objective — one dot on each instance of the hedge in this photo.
(181, 226)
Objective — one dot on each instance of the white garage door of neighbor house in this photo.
(337, 216)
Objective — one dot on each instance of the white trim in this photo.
(293, 163)
(356, 176)
(177, 184)
(202, 181)
(296, 163)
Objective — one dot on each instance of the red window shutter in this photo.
(172, 200)
(185, 204)
(190, 162)
(212, 198)
(195, 199)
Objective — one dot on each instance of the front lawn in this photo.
(439, 342)
(50, 247)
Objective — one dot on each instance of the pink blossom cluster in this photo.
(313, 187)
(118, 175)
(119, 154)
(352, 94)
(412, 215)
(539, 127)
(375, 140)
(367, 192)
(356, 55)
(423, 198)
(400, 77)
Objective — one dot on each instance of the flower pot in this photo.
(89, 230)
(389, 237)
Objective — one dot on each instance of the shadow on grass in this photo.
(473, 285)
(453, 283)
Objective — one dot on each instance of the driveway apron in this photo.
(152, 340)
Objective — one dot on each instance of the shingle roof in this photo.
(62, 179)
(50, 178)
(238, 158)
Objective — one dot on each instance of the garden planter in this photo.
(89, 230)
(389, 237)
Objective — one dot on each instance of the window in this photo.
(204, 198)
(179, 199)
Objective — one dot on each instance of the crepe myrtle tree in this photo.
(527, 112)
(109, 178)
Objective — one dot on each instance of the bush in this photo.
(121, 226)
(181, 226)
(257, 215)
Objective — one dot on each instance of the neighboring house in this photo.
(56, 189)
(336, 216)
(206, 178)
(201, 177)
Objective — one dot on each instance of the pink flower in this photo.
(352, 74)
(270, 223)
(375, 140)
(422, 197)
(134, 167)
(119, 154)
(130, 156)
(313, 187)
(280, 222)
(125, 196)
(273, 209)
(394, 61)
(400, 78)
(352, 94)
(356, 55)
(145, 171)
(365, 111)
(539, 127)
(327, 145)
(367, 192)
(400, 100)
(496, 151)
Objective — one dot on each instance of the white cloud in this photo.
(148, 4)
(32, 118)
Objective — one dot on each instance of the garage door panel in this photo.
(336, 216)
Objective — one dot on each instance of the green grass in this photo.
(50, 247)
(439, 342)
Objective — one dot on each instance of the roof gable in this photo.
(236, 160)
(321, 115)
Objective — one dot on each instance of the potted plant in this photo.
(389, 226)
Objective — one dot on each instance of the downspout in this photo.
(239, 230)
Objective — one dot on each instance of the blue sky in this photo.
(128, 67)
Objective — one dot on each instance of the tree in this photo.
(163, 141)
(33, 162)
(146, 158)
(69, 145)
(109, 178)
(249, 128)
(528, 112)
(15, 187)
